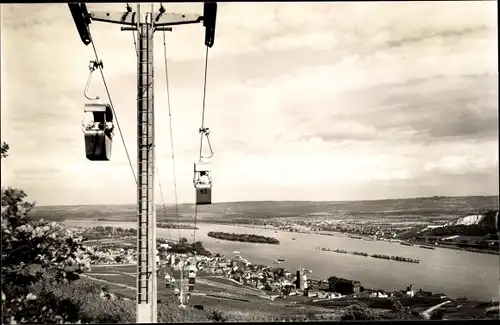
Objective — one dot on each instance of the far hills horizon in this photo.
(436, 206)
(436, 197)
(280, 202)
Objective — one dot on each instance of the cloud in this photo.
(462, 165)
(310, 101)
(338, 128)
(437, 34)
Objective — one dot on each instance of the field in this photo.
(242, 303)
(417, 210)
(211, 292)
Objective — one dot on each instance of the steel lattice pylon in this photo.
(146, 214)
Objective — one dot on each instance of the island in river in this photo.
(247, 238)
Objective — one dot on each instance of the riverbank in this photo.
(175, 226)
(363, 237)
(458, 248)
(466, 281)
(252, 283)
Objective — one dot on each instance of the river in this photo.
(454, 272)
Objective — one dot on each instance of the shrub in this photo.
(169, 312)
(400, 312)
(31, 251)
(359, 311)
(84, 299)
(216, 315)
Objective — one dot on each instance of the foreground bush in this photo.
(169, 312)
(400, 312)
(85, 301)
(31, 251)
(359, 311)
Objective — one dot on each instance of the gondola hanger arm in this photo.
(206, 132)
(92, 67)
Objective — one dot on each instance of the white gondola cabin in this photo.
(203, 183)
(98, 132)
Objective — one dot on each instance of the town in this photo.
(442, 231)
(271, 282)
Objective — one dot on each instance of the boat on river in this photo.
(406, 243)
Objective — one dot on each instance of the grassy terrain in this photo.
(239, 303)
(236, 301)
(243, 212)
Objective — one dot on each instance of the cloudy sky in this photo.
(305, 101)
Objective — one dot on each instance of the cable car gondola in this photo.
(98, 133)
(203, 183)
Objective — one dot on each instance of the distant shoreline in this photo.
(319, 232)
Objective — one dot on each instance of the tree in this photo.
(400, 311)
(34, 252)
(359, 311)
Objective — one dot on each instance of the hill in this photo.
(476, 232)
(488, 218)
(481, 224)
(429, 207)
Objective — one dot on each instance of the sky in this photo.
(305, 101)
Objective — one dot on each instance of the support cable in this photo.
(202, 129)
(171, 133)
(182, 293)
(156, 165)
(113, 108)
(163, 201)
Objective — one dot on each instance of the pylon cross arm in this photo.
(130, 18)
(171, 19)
(123, 18)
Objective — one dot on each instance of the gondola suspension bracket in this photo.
(82, 20)
(209, 20)
(206, 132)
(92, 67)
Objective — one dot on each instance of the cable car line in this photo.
(157, 169)
(112, 107)
(183, 290)
(171, 133)
(203, 132)
(98, 135)
(163, 201)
